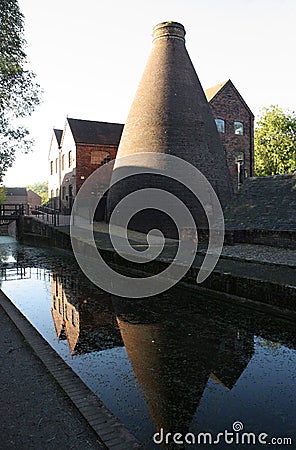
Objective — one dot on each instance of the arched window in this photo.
(220, 123)
(238, 128)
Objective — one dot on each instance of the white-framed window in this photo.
(220, 123)
(238, 127)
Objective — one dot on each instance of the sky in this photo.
(89, 57)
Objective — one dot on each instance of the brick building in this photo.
(75, 153)
(235, 123)
(82, 315)
(16, 195)
(54, 179)
(33, 199)
(84, 145)
(20, 195)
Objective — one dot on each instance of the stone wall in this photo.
(280, 297)
(32, 232)
(4, 229)
(264, 212)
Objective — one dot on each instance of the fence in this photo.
(50, 216)
(12, 211)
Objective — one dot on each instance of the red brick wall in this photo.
(228, 105)
(15, 199)
(84, 166)
(33, 198)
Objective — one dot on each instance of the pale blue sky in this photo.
(89, 56)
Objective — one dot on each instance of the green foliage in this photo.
(275, 142)
(19, 94)
(40, 189)
(2, 194)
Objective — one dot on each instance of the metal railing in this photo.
(12, 211)
(50, 216)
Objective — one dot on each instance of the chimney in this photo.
(170, 114)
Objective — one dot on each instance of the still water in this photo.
(180, 362)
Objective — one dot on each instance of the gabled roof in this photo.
(92, 132)
(219, 88)
(33, 192)
(58, 134)
(212, 91)
(16, 192)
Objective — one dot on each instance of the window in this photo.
(56, 165)
(238, 128)
(63, 192)
(51, 167)
(63, 162)
(239, 161)
(57, 192)
(70, 158)
(220, 123)
(52, 193)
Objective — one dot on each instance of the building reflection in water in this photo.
(175, 344)
(83, 315)
(174, 353)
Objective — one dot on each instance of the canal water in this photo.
(182, 362)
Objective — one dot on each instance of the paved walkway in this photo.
(34, 411)
(245, 252)
(261, 253)
(243, 260)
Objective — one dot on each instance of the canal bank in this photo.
(35, 413)
(264, 275)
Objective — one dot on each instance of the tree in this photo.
(19, 93)
(40, 189)
(2, 194)
(275, 142)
